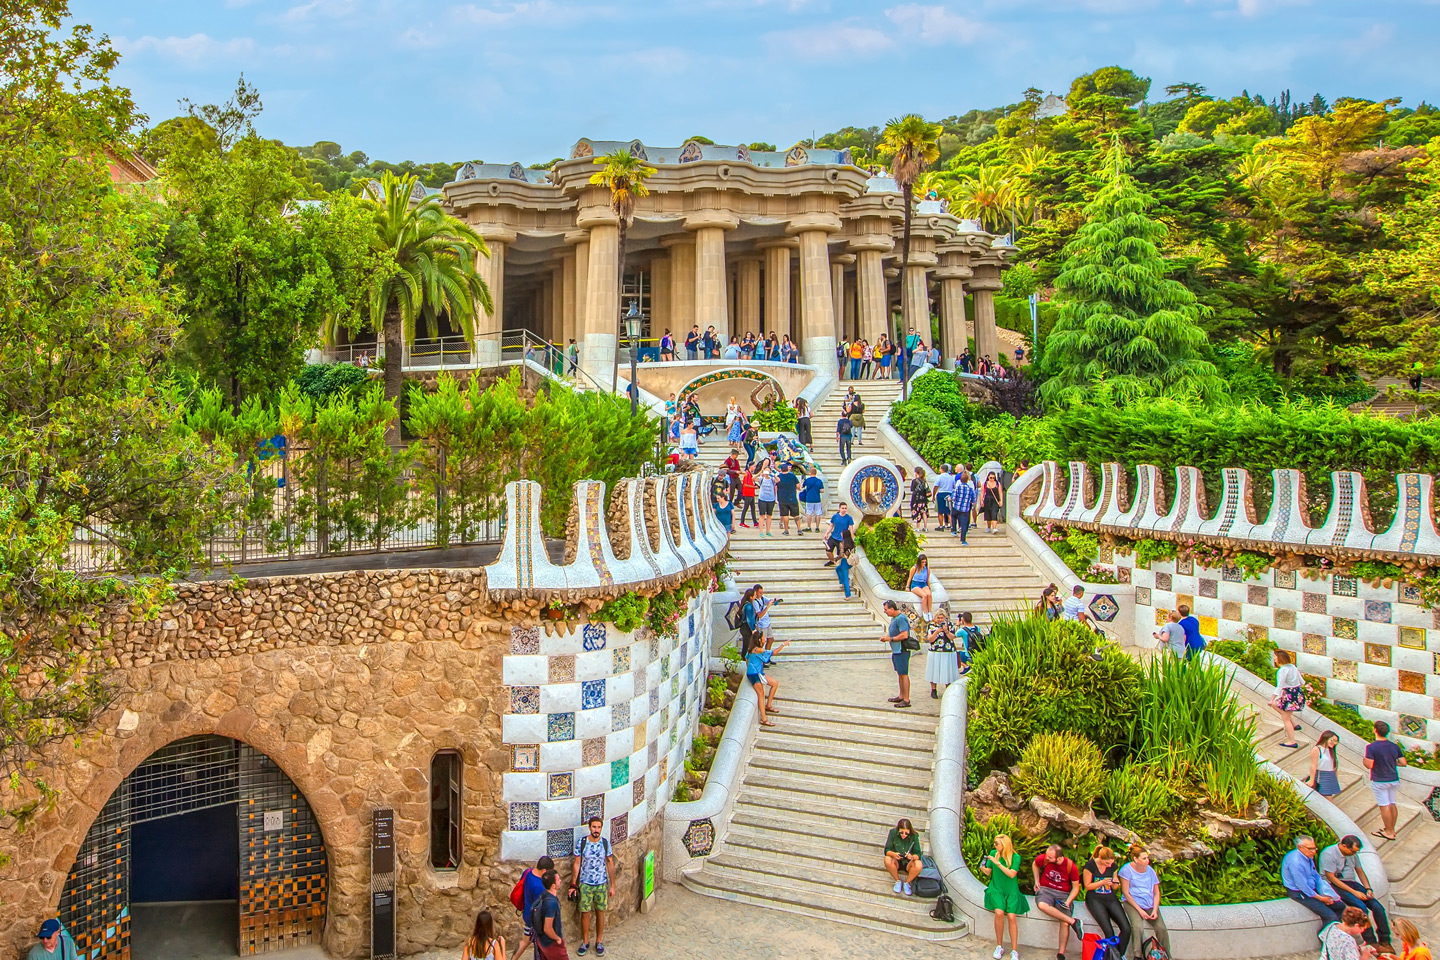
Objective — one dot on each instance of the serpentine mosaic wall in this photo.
(1369, 647)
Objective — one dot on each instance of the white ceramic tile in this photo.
(524, 845)
(524, 786)
(594, 664)
(560, 698)
(519, 670)
(592, 723)
(523, 728)
(559, 757)
(558, 814)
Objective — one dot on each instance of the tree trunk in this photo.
(393, 333)
(620, 312)
(907, 190)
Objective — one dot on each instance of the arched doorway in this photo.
(206, 850)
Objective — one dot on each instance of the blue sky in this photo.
(523, 79)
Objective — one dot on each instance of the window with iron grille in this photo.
(445, 775)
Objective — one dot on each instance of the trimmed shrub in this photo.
(891, 546)
(1061, 766)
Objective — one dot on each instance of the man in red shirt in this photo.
(1057, 884)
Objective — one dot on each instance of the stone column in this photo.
(851, 309)
(873, 299)
(952, 273)
(838, 263)
(710, 287)
(986, 282)
(582, 292)
(567, 298)
(817, 308)
(660, 298)
(747, 297)
(777, 290)
(682, 286)
(602, 303)
(488, 326)
(556, 319)
(916, 303)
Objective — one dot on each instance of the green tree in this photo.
(624, 176)
(424, 267)
(88, 443)
(1125, 328)
(911, 143)
(261, 271)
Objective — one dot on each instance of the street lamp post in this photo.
(633, 321)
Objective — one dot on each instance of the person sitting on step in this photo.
(902, 856)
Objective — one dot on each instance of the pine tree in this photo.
(1124, 327)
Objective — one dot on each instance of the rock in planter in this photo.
(1222, 826)
(1075, 821)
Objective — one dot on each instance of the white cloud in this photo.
(495, 14)
(317, 9)
(194, 49)
(831, 41)
(933, 24)
(1255, 8)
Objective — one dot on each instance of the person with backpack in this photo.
(903, 859)
(528, 889)
(545, 919)
(1140, 893)
(845, 435)
(970, 641)
(857, 417)
(593, 879)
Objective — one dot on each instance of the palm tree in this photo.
(425, 268)
(624, 176)
(988, 197)
(912, 143)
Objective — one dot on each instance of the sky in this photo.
(505, 80)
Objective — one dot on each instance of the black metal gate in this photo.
(282, 856)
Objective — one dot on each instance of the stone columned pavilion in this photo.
(803, 243)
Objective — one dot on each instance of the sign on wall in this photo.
(382, 885)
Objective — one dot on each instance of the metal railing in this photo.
(439, 352)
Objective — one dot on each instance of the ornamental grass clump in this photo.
(1187, 721)
(1138, 796)
(1061, 766)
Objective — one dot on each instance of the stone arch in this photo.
(735, 373)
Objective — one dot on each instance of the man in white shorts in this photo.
(810, 501)
(1384, 759)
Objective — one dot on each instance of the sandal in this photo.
(903, 704)
(767, 723)
(1381, 835)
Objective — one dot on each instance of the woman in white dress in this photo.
(732, 410)
(941, 663)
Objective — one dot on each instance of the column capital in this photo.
(677, 240)
(576, 237)
(721, 219)
(842, 258)
(922, 258)
(871, 241)
(807, 222)
(953, 272)
(985, 285)
(788, 243)
(496, 232)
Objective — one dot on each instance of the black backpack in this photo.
(944, 909)
(928, 883)
(846, 427)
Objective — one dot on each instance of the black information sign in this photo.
(382, 885)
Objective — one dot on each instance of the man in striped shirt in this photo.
(962, 504)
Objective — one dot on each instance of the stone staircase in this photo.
(1384, 404)
(985, 576)
(1412, 859)
(841, 765)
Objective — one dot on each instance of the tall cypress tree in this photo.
(1125, 329)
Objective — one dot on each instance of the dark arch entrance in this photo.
(208, 850)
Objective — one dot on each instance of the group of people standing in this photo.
(959, 500)
(859, 359)
(709, 345)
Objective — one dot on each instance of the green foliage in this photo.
(1255, 654)
(978, 840)
(715, 691)
(1041, 678)
(1188, 724)
(730, 654)
(627, 611)
(1377, 570)
(319, 380)
(1251, 563)
(1125, 328)
(1062, 766)
(1148, 552)
(1139, 797)
(891, 546)
(782, 419)
(666, 609)
(1347, 717)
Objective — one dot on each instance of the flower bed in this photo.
(1080, 746)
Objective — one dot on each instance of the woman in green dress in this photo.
(1003, 895)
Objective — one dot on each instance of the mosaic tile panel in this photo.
(1142, 596)
(637, 792)
(560, 727)
(1313, 603)
(1314, 644)
(1344, 628)
(1437, 663)
(592, 807)
(560, 843)
(524, 640)
(1163, 581)
(524, 699)
(1409, 593)
(525, 815)
(1377, 654)
(1185, 566)
(592, 695)
(1107, 552)
(525, 759)
(640, 735)
(562, 786)
(1412, 726)
(1104, 608)
(699, 838)
(1285, 579)
(1122, 574)
(1432, 803)
(1260, 596)
(1314, 682)
(1412, 682)
(1377, 611)
(1209, 626)
(620, 716)
(1346, 670)
(654, 701)
(1344, 586)
(593, 636)
(1261, 633)
(620, 661)
(654, 649)
(1412, 637)
(619, 828)
(1284, 619)
(1184, 600)
(1230, 610)
(619, 772)
(1377, 698)
(562, 668)
(1232, 574)
(592, 751)
(654, 755)
(664, 766)
(1209, 588)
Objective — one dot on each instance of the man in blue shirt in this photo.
(839, 523)
(1194, 642)
(962, 504)
(787, 496)
(944, 487)
(810, 503)
(532, 888)
(895, 634)
(1305, 886)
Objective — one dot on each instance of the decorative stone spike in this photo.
(523, 563)
(1345, 524)
(1413, 529)
(1236, 517)
(1286, 523)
